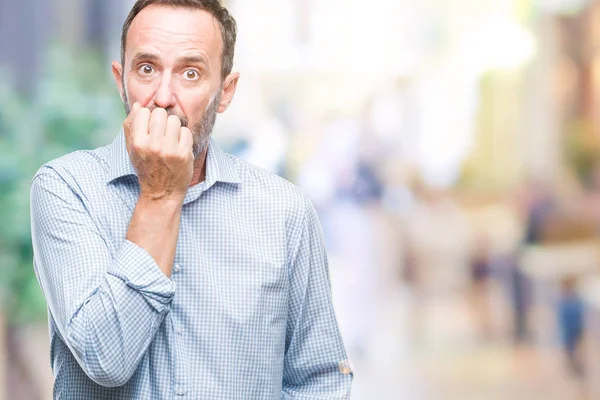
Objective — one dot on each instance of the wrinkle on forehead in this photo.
(176, 29)
(169, 41)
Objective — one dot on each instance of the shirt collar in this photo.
(219, 166)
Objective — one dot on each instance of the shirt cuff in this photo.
(139, 271)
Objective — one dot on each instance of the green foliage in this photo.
(75, 106)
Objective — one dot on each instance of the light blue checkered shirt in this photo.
(247, 313)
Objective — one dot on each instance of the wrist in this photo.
(162, 200)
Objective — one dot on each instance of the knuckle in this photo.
(174, 157)
(154, 149)
(136, 145)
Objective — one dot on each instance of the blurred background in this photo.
(451, 148)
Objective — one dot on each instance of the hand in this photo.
(160, 149)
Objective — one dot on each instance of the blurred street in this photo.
(435, 350)
(451, 150)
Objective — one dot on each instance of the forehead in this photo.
(170, 30)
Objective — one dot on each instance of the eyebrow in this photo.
(193, 60)
(143, 57)
(153, 57)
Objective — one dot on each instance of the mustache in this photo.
(171, 111)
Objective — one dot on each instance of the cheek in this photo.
(140, 92)
(193, 103)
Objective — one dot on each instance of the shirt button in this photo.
(345, 367)
(177, 268)
(178, 330)
(180, 391)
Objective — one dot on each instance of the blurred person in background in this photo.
(570, 310)
(169, 267)
(481, 262)
(539, 205)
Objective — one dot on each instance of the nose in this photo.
(164, 97)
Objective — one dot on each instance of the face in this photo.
(173, 60)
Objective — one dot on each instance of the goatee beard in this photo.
(202, 130)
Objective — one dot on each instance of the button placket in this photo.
(181, 366)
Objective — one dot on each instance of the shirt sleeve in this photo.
(315, 364)
(107, 307)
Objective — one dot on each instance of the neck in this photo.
(199, 168)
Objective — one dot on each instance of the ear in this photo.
(117, 70)
(229, 86)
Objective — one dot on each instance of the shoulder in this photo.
(75, 168)
(268, 182)
(273, 189)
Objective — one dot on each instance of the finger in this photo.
(172, 132)
(158, 125)
(185, 139)
(158, 122)
(139, 125)
(127, 123)
(135, 108)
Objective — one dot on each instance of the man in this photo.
(171, 269)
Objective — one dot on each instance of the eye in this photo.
(146, 69)
(191, 74)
